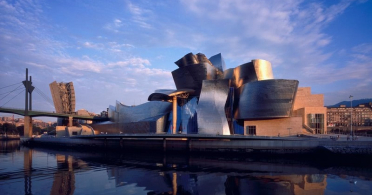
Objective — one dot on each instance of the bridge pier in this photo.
(70, 121)
(27, 131)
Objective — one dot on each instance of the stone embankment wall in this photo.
(347, 147)
(279, 146)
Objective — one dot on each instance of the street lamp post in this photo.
(351, 115)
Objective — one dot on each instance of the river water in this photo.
(45, 171)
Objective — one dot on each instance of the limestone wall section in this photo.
(275, 127)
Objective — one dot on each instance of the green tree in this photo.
(20, 130)
(9, 128)
(36, 130)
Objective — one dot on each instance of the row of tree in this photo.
(11, 129)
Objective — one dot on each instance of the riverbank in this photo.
(208, 144)
(9, 137)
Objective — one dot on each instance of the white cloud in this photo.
(363, 48)
(114, 26)
(139, 15)
(78, 66)
(136, 62)
(117, 45)
(93, 45)
(117, 23)
(37, 65)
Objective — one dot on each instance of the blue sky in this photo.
(124, 50)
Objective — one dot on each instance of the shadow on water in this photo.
(173, 173)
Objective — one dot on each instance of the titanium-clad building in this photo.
(210, 99)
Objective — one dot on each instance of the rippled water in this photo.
(42, 171)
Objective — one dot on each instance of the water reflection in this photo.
(68, 172)
(286, 184)
(9, 146)
(64, 178)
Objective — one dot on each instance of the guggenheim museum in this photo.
(210, 99)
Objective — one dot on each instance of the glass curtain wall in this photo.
(316, 122)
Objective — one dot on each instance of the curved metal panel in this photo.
(243, 74)
(188, 116)
(256, 70)
(191, 77)
(111, 112)
(150, 125)
(143, 111)
(218, 62)
(266, 99)
(263, 69)
(191, 59)
(228, 73)
(211, 107)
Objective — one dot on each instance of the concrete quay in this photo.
(9, 137)
(208, 143)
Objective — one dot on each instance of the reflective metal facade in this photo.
(210, 99)
(263, 69)
(188, 116)
(218, 62)
(150, 125)
(228, 73)
(141, 112)
(266, 99)
(150, 117)
(211, 108)
(111, 112)
(191, 77)
(191, 59)
(257, 70)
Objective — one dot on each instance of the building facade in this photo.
(63, 97)
(308, 116)
(340, 119)
(210, 99)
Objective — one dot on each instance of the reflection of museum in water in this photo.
(160, 178)
(210, 99)
(220, 184)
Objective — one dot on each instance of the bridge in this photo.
(36, 113)
(28, 113)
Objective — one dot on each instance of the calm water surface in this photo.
(44, 171)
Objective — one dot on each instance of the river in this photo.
(48, 171)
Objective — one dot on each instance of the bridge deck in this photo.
(35, 113)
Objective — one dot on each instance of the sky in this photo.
(123, 50)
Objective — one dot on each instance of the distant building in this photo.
(63, 97)
(339, 119)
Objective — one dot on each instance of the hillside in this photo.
(355, 102)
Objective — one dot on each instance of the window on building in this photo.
(316, 122)
(74, 133)
(251, 130)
